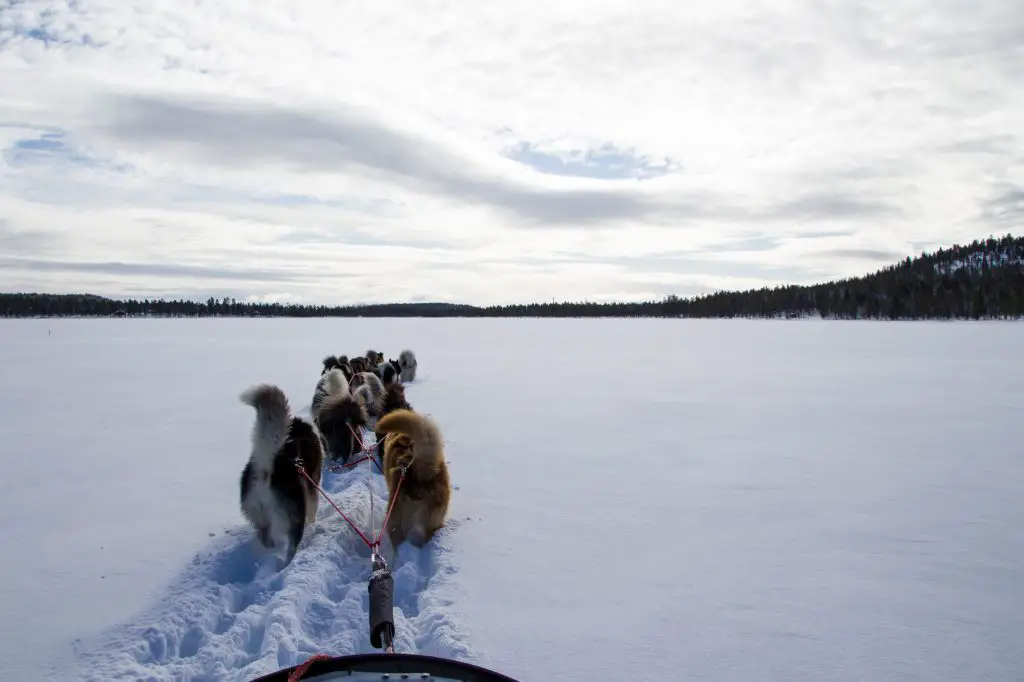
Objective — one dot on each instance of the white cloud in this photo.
(321, 151)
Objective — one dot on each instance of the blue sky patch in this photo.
(605, 163)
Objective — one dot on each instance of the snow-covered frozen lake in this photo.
(637, 499)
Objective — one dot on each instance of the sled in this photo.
(377, 667)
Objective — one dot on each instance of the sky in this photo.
(337, 152)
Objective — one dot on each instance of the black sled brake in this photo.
(384, 666)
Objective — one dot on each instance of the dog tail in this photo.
(273, 418)
(337, 384)
(422, 430)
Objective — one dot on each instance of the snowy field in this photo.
(636, 499)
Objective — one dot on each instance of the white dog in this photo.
(407, 361)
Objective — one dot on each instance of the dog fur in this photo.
(394, 399)
(370, 392)
(331, 382)
(358, 365)
(346, 370)
(275, 498)
(330, 362)
(407, 363)
(420, 508)
(334, 412)
(388, 373)
(374, 358)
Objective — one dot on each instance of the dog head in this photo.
(346, 370)
(340, 418)
(330, 362)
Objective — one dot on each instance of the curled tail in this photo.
(273, 418)
(426, 437)
(337, 383)
(331, 383)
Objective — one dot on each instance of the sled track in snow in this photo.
(231, 616)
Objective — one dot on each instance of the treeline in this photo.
(983, 279)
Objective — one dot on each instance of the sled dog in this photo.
(370, 392)
(331, 382)
(275, 498)
(394, 399)
(388, 373)
(407, 363)
(330, 362)
(339, 416)
(414, 441)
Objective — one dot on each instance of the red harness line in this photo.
(375, 543)
(372, 544)
(299, 671)
(349, 465)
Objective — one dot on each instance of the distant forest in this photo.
(980, 280)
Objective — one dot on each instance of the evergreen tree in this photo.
(984, 279)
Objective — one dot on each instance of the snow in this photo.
(636, 499)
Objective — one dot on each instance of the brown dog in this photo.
(414, 441)
(373, 358)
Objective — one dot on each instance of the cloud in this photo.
(1006, 206)
(163, 270)
(237, 134)
(327, 152)
(20, 242)
(825, 205)
(879, 256)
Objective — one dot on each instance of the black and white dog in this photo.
(275, 498)
(407, 363)
(330, 362)
(388, 372)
